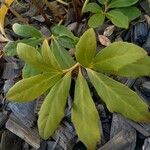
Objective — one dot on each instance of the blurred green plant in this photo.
(120, 12)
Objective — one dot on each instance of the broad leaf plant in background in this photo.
(54, 74)
(120, 12)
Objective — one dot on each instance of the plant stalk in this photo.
(84, 5)
(72, 68)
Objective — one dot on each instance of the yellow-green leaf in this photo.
(32, 57)
(52, 110)
(30, 88)
(86, 48)
(139, 68)
(3, 12)
(48, 56)
(119, 98)
(117, 55)
(84, 115)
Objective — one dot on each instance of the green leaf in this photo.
(66, 42)
(28, 89)
(131, 12)
(48, 56)
(119, 98)
(93, 7)
(96, 20)
(117, 55)
(103, 1)
(29, 71)
(139, 68)
(84, 115)
(86, 48)
(10, 48)
(52, 110)
(118, 18)
(122, 3)
(63, 57)
(63, 31)
(26, 31)
(32, 57)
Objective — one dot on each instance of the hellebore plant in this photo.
(119, 58)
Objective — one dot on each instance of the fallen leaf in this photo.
(109, 30)
(104, 40)
(3, 12)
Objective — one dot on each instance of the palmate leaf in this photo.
(116, 56)
(28, 89)
(84, 114)
(119, 98)
(26, 31)
(118, 18)
(86, 48)
(122, 3)
(32, 57)
(52, 110)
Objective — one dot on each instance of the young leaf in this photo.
(86, 48)
(93, 7)
(66, 42)
(139, 68)
(118, 18)
(119, 98)
(28, 89)
(62, 55)
(122, 3)
(10, 48)
(26, 31)
(96, 20)
(52, 110)
(131, 12)
(117, 55)
(83, 111)
(63, 31)
(32, 57)
(3, 12)
(48, 56)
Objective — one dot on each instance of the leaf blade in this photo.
(26, 31)
(119, 98)
(83, 110)
(96, 20)
(86, 48)
(32, 57)
(28, 89)
(122, 3)
(118, 18)
(52, 110)
(117, 55)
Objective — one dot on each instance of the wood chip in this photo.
(27, 134)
